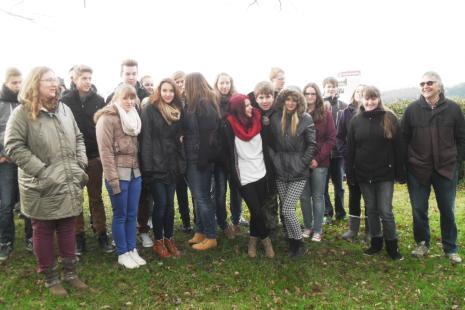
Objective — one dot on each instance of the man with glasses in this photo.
(434, 131)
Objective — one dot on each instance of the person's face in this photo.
(370, 104)
(48, 85)
(14, 83)
(330, 90)
(278, 81)
(310, 96)
(358, 94)
(180, 82)
(265, 102)
(248, 108)
(431, 88)
(167, 92)
(147, 83)
(224, 84)
(127, 102)
(290, 104)
(84, 82)
(129, 75)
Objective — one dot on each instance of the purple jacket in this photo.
(325, 140)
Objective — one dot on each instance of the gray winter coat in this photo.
(51, 158)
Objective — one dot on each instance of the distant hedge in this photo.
(400, 106)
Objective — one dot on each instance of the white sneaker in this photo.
(421, 250)
(307, 233)
(135, 257)
(127, 261)
(146, 241)
(316, 237)
(454, 258)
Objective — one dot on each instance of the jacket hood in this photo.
(107, 110)
(7, 95)
(295, 92)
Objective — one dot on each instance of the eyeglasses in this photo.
(429, 83)
(50, 80)
(310, 94)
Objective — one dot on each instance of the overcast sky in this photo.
(391, 42)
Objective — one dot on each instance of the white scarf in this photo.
(129, 120)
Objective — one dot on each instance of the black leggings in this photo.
(254, 195)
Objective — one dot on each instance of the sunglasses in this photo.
(310, 94)
(429, 83)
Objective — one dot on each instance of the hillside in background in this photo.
(457, 91)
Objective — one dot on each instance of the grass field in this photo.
(333, 275)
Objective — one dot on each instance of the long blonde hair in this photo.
(301, 106)
(29, 94)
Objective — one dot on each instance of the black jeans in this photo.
(163, 209)
(355, 196)
(254, 195)
(335, 172)
(183, 201)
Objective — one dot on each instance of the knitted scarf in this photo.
(170, 113)
(243, 133)
(129, 120)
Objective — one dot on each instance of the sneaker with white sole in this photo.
(421, 250)
(307, 233)
(316, 237)
(146, 240)
(127, 261)
(454, 258)
(135, 257)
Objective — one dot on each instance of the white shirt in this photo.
(250, 159)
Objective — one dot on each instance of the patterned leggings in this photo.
(289, 193)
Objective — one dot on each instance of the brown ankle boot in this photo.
(269, 252)
(169, 243)
(52, 282)
(160, 249)
(70, 276)
(252, 249)
(198, 238)
(229, 232)
(205, 245)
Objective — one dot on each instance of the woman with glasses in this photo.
(312, 199)
(44, 141)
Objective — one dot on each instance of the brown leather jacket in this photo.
(117, 149)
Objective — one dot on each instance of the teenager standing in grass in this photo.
(246, 162)
(224, 87)
(294, 145)
(434, 130)
(163, 160)
(200, 127)
(118, 126)
(355, 195)
(374, 160)
(312, 199)
(44, 141)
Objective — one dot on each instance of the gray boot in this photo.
(354, 226)
(53, 283)
(252, 248)
(69, 274)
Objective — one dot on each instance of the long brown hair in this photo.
(389, 119)
(197, 88)
(30, 94)
(319, 114)
(155, 98)
(232, 90)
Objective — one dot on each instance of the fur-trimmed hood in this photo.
(107, 110)
(295, 92)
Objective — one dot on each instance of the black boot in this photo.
(292, 247)
(80, 244)
(300, 248)
(105, 246)
(375, 247)
(393, 250)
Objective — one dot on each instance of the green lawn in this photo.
(333, 275)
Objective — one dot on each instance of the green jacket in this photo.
(51, 158)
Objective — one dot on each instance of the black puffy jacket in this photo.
(162, 154)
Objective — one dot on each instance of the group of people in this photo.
(274, 146)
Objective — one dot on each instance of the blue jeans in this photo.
(8, 197)
(378, 204)
(125, 205)
(199, 182)
(221, 177)
(335, 173)
(312, 200)
(163, 209)
(445, 191)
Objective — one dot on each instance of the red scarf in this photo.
(246, 134)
